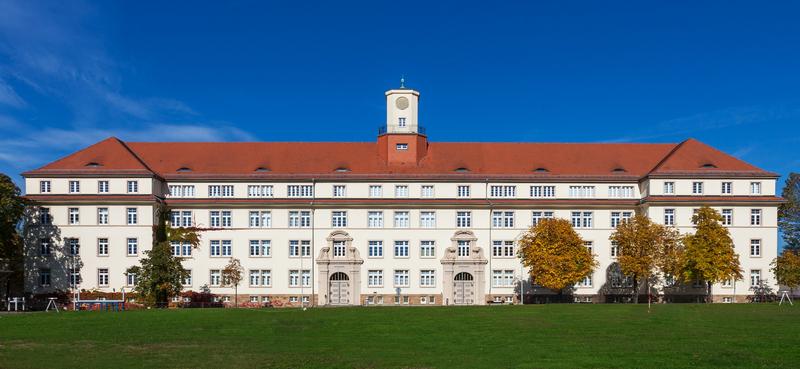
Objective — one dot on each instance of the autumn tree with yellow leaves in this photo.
(708, 253)
(787, 269)
(555, 254)
(646, 248)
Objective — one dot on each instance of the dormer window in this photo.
(262, 169)
(184, 169)
(708, 166)
(342, 170)
(93, 164)
(541, 170)
(402, 147)
(619, 170)
(401, 122)
(461, 170)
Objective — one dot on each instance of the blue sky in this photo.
(725, 73)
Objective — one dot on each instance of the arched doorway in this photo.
(339, 289)
(463, 289)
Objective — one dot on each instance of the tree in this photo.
(12, 208)
(708, 253)
(789, 213)
(555, 254)
(232, 276)
(161, 274)
(787, 269)
(643, 246)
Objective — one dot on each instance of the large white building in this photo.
(397, 221)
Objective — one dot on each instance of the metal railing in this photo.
(382, 130)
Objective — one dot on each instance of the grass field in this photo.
(546, 336)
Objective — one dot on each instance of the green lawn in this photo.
(546, 336)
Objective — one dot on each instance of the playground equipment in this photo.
(16, 301)
(107, 305)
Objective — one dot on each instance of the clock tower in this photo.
(403, 141)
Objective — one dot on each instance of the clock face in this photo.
(401, 103)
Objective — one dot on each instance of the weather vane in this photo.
(402, 81)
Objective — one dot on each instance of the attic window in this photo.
(342, 169)
(541, 170)
(262, 169)
(93, 164)
(708, 166)
(184, 169)
(619, 170)
(461, 170)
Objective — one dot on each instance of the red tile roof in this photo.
(620, 161)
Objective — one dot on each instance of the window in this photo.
(697, 188)
(133, 186)
(44, 187)
(375, 191)
(539, 215)
(503, 278)
(181, 190)
(462, 246)
(44, 216)
(181, 249)
(375, 249)
(220, 191)
(225, 219)
(260, 248)
(427, 278)
(214, 219)
(130, 279)
(299, 219)
(74, 246)
(669, 217)
(74, 216)
(187, 279)
(227, 248)
(581, 191)
(375, 278)
(339, 191)
(102, 247)
(427, 191)
(620, 191)
(295, 278)
(582, 219)
(215, 248)
(401, 147)
(44, 277)
(401, 219)
(543, 191)
(45, 246)
(133, 246)
(339, 248)
(215, 278)
(589, 246)
(102, 216)
(503, 219)
(755, 188)
(260, 219)
(463, 219)
(427, 219)
(755, 247)
(75, 186)
(585, 282)
(299, 191)
(133, 218)
(727, 188)
(74, 277)
(375, 219)
(259, 191)
(401, 122)
(401, 249)
(614, 249)
(669, 188)
(427, 249)
(618, 280)
(181, 218)
(755, 217)
(617, 217)
(463, 191)
(503, 249)
(727, 283)
(503, 191)
(401, 191)
(755, 277)
(102, 277)
(727, 217)
(300, 248)
(260, 278)
(339, 219)
(401, 278)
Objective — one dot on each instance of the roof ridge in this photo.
(669, 155)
